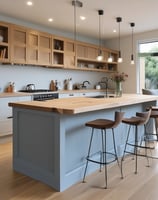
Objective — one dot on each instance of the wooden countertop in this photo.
(83, 104)
(13, 94)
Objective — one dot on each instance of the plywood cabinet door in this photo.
(92, 53)
(69, 54)
(19, 44)
(45, 49)
(81, 51)
(33, 43)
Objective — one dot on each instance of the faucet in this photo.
(83, 84)
(105, 80)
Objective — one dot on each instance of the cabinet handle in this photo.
(10, 117)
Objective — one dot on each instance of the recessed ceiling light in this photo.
(114, 31)
(29, 3)
(82, 17)
(50, 19)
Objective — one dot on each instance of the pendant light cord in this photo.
(132, 25)
(99, 33)
(100, 12)
(119, 38)
(76, 3)
(132, 56)
(118, 20)
(75, 28)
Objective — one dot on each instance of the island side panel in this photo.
(36, 146)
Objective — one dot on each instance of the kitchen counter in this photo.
(13, 94)
(85, 91)
(50, 139)
(83, 104)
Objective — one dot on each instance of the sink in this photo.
(103, 96)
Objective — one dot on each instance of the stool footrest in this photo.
(140, 146)
(142, 155)
(101, 162)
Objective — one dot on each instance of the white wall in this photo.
(133, 82)
(41, 77)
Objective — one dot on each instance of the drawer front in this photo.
(5, 127)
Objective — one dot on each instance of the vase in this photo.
(118, 89)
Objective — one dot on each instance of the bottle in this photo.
(69, 84)
(13, 87)
(10, 88)
(56, 85)
(52, 85)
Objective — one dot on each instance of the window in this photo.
(148, 59)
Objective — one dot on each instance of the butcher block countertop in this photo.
(83, 104)
(13, 94)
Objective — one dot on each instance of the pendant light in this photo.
(132, 56)
(110, 58)
(118, 20)
(100, 55)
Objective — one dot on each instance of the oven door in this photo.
(45, 96)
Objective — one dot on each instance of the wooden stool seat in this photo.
(101, 123)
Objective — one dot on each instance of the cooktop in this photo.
(36, 90)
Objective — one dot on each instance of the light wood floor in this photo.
(143, 186)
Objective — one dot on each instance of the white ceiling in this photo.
(143, 12)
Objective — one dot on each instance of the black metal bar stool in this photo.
(103, 125)
(140, 119)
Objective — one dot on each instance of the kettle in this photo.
(30, 87)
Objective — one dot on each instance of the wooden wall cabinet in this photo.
(30, 47)
(86, 58)
(21, 45)
(4, 42)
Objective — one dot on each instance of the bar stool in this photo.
(154, 116)
(103, 125)
(140, 119)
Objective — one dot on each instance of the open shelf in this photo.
(4, 42)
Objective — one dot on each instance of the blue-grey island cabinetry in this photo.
(50, 140)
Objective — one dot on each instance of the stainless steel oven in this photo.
(42, 94)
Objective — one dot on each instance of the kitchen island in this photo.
(50, 140)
